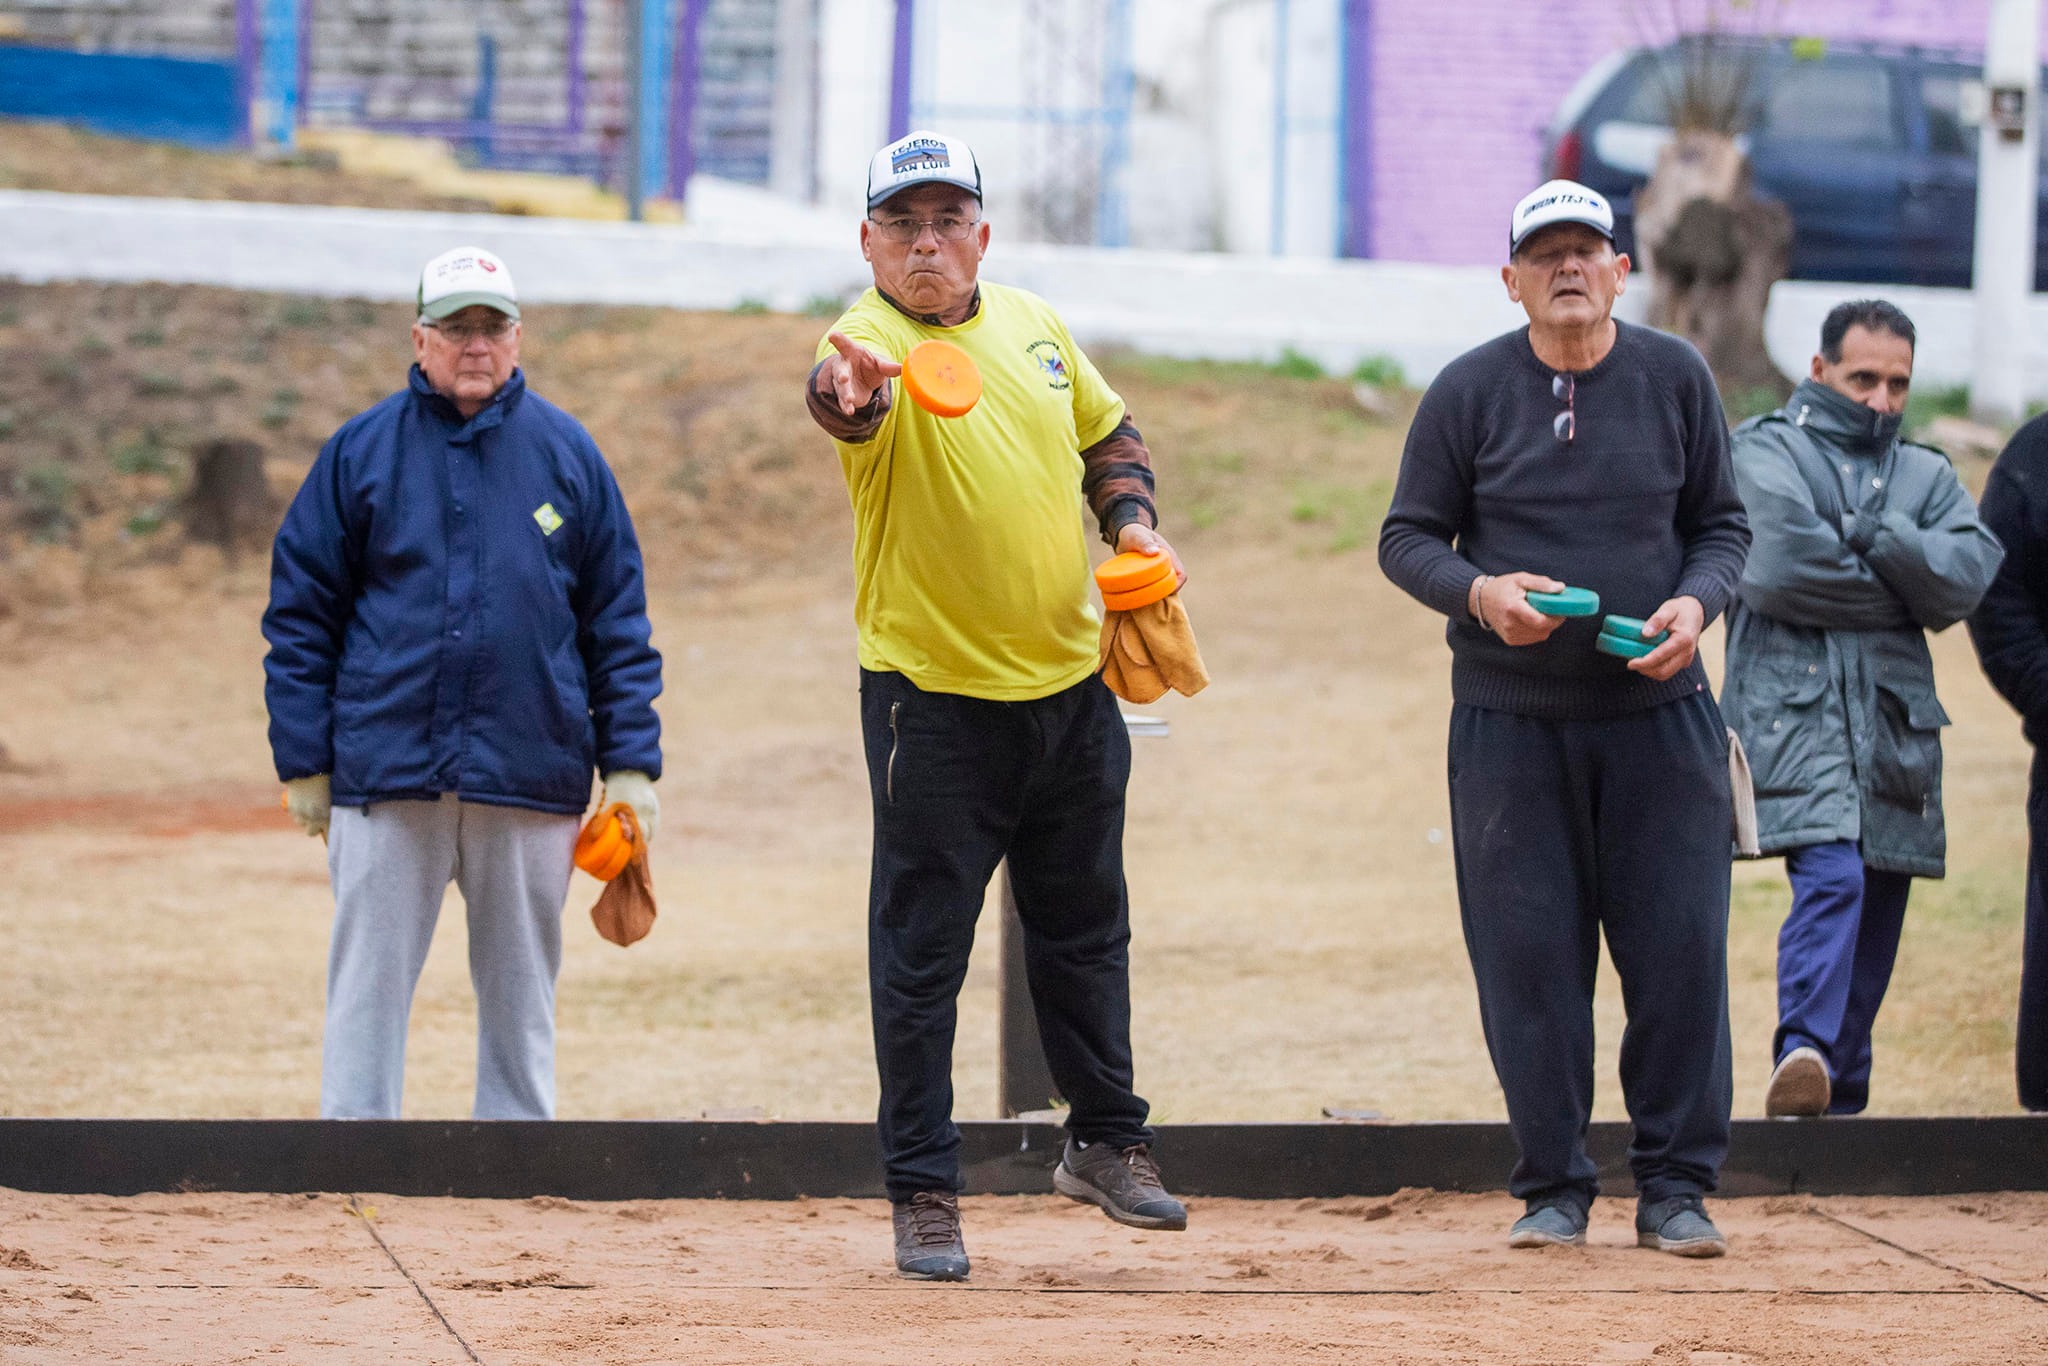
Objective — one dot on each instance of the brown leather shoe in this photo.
(928, 1246)
(1123, 1181)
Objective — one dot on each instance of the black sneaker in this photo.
(928, 1246)
(1123, 1181)
(1679, 1225)
(1560, 1223)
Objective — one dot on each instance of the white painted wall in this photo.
(1173, 303)
(1200, 170)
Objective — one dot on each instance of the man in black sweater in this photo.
(1587, 793)
(2010, 631)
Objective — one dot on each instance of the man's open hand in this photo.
(856, 372)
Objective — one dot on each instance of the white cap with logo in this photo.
(1559, 201)
(456, 279)
(922, 158)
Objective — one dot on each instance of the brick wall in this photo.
(1461, 94)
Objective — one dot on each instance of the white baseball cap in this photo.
(1559, 201)
(922, 158)
(456, 279)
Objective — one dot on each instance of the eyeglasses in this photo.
(947, 228)
(462, 334)
(1566, 423)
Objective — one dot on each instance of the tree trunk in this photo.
(1713, 250)
(230, 504)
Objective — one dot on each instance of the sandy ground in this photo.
(1419, 1277)
(1297, 943)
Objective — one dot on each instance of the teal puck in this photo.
(1624, 647)
(1630, 629)
(1567, 602)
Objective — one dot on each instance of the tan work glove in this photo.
(636, 790)
(309, 801)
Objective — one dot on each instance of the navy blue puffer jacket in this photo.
(459, 606)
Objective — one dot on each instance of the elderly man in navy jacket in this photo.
(458, 637)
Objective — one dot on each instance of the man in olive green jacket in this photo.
(1863, 544)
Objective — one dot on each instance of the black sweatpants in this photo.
(1564, 829)
(960, 783)
(2031, 1053)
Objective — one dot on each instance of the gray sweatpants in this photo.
(391, 863)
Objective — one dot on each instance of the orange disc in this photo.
(941, 378)
(1141, 597)
(608, 842)
(1132, 570)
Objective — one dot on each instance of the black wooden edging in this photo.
(646, 1160)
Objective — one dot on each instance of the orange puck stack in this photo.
(608, 842)
(1135, 579)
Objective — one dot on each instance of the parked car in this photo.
(1870, 147)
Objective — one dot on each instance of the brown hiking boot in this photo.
(928, 1246)
(1123, 1181)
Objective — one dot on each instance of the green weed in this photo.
(1294, 365)
(158, 384)
(1352, 513)
(749, 308)
(281, 408)
(1924, 405)
(305, 313)
(1382, 372)
(1745, 404)
(48, 492)
(144, 455)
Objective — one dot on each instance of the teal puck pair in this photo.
(1623, 638)
(1619, 636)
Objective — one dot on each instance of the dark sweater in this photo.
(1640, 507)
(2010, 625)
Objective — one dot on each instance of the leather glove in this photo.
(309, 801)
(636, 790)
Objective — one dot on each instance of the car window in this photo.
(1941, 97)
(1844, 103)
(1664, 80)
(1951, 131)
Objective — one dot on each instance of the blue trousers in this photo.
(958, 784)
(2031, 1055)
(1835, 956)
(1564, 830)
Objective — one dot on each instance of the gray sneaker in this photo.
(1679, 1225)
(1123, 1181)
(1558, 1224)
(1799, 1086)
(928, 1245)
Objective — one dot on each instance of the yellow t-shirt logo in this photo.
(549, 519)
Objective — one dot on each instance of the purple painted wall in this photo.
(1461, 94)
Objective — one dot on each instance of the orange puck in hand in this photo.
(608, 842)
(941, 378)
(1135, 579)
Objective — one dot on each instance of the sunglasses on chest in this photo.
(1565, 425)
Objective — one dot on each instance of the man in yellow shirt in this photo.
(988, 733)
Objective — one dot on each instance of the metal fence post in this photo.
(1023, 1082)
